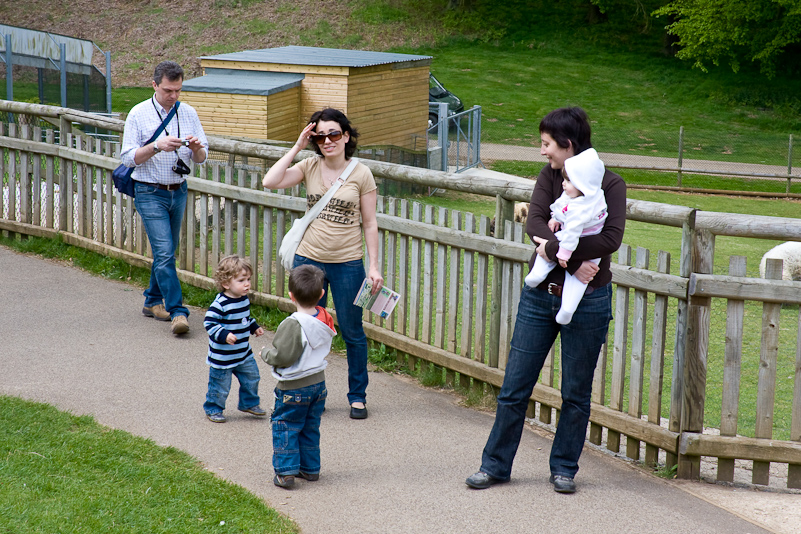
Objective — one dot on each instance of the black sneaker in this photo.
(311, 477)
(482, 480)
(562, 484)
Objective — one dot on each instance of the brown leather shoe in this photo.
(157, 312)
(179, 325)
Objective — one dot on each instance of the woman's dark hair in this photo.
(568, 126)
(331, 114)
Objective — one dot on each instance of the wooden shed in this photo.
(271, 93)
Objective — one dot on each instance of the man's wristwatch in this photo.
(156, 148)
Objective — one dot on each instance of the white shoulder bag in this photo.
(295, 235)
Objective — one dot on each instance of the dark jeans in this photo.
(345, 279)
(296, 429)
(535, 331)
(162, 214)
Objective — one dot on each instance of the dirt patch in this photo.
(140, 33)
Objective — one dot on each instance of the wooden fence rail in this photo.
(461, 286)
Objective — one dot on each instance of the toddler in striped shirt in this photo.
(229, 325)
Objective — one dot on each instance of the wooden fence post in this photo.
(735, 310)
(638, 342)
(657, 359)
(65, 174)
(794, 470)
(504, 211)
(677, 380)
(695, 363)
(766, 385)
(621, 314)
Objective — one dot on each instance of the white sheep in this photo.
(521, 214)
(790, 254)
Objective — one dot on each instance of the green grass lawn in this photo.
(637, 100)
(66, 473)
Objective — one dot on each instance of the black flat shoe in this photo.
(358, 413)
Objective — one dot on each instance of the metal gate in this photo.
(454, 143)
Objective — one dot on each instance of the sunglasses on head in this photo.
(320, 137)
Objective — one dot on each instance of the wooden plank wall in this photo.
(283, 115)
(319, 91)
(388, 105)
(231, 114)
(440, 260)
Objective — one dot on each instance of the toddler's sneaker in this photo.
(216, 417)
(257, 410)
(284, 481)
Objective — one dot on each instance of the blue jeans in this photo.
(345, 279)
(296, 429)
(535, 331)
(162, 213)
(247, 373)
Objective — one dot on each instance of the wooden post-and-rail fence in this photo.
(460, 288)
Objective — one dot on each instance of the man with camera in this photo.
(160, 183)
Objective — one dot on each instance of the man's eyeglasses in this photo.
(320, 137)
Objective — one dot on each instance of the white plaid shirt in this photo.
(141, 123)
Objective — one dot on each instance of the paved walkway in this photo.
(492, 152)
(80, 343)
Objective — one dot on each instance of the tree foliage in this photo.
(763, 32)
(639, 11)
(518, 19)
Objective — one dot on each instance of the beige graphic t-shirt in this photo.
(335, 236)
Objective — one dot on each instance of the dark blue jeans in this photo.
(344, 280)
(296, 429)
(247, 373)
(162, 213)
(535, 332)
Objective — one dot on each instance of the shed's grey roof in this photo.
(243, 82)
(309, 55)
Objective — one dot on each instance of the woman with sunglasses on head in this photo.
(333, 241)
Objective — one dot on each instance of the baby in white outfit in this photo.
(579, 211)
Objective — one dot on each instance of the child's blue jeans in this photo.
(246, 372)
(296, 429)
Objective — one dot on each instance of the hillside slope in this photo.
(141, 33)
